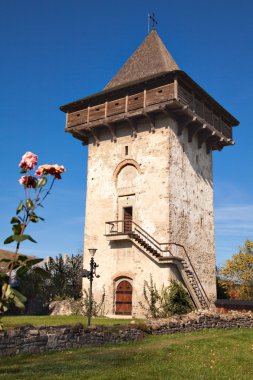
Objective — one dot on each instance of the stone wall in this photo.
(42, 339)
(200, 321)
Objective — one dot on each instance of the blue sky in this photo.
(57, 51)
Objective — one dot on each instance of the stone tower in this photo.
(149, 208)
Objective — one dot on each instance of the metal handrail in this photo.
(192, 268)
(143, 233)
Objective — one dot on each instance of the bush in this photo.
(97, 306)
(177, 300)
(172, 299)
(152, 299)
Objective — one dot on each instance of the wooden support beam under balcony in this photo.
(132, 125)
(193, 130)
(203, 135)
(112, 131)
(80, 135)
(213, 143)
(95, 135)
(185, 124)
(151, 121)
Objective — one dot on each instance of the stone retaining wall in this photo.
(200, 321)
(42, 339)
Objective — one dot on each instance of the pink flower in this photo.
(28, 181)
(54, 170)
(29, 160)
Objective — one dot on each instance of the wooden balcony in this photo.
(174, 94)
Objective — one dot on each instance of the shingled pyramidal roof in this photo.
(149, 59)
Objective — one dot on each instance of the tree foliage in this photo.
(65, 276)
(237, 273)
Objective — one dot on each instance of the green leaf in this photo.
(22, 171)
(9, 239)
(19, 238)
(22, 258)
(32, 262)
(19, 299)
(29, 204)
(20, 207)
(8, 291)
(5, 260)
(14, 266)
(3, 307)
(34, 218)
(16, 229)
(4, 277)
(31, 239)
(41, 182)
(15, 220)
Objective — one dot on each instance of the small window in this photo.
(197, 159)
(126, 150)
(116, 104)
(78, 115)
(136, 98)
(160, 91)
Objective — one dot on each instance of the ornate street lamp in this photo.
(90, 275)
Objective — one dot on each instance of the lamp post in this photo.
(90, 275)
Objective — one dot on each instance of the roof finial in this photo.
(154, 22)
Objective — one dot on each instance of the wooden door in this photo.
(128, 217)
(124, 298)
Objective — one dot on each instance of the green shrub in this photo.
(177, 299)
(152, 299)
(172, 299)
(97, 306)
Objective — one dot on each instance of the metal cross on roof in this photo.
(151, 18)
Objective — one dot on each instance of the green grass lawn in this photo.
(210, 354)
(9, 322)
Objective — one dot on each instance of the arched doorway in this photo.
(124, 293)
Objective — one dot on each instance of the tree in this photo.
(237, 273)
(65, 276)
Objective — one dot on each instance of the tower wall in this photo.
(191, 206)
(170, 190)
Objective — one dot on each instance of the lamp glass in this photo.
(92, 251)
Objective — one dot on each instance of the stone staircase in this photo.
(164, 256)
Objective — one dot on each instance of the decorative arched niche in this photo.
(126, 174)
